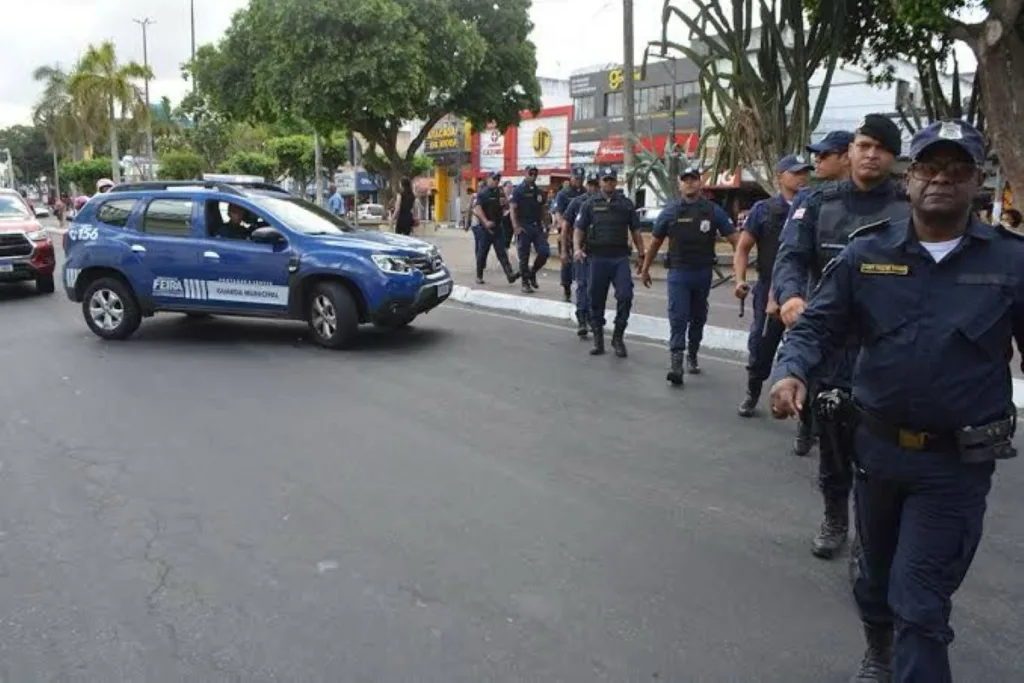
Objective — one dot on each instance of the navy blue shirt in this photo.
(564, 197)
(936, 338)
(668, 216)
(572, 211)
(529, 202)
(759, 213)
(585, 217)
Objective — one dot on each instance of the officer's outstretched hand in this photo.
(791, 310)
(741, 290)
(787, 398)
(645, 277)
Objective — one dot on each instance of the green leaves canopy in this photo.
(371, 65)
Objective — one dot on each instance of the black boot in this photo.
(749, 404)
(691, 363)
(804, 440)
(527, 289)
(598, 349)
(510, 274)
(675, 371)
(567, 293)
(834, 528)
(533, 279)
(480, 279)
(618, 341)
(876, 666)
(582, 325)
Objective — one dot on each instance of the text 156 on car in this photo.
(26, 251)
(207, 248)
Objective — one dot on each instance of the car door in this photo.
(244, 276)
(165, 244)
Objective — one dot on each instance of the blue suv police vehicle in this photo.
(208, 248)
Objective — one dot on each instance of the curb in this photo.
(644, 326)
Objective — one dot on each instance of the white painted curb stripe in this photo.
(646, 326)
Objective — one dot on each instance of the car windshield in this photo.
(12, 207)
(302, 216)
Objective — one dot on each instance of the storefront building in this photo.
(540, 140)
(447, 144)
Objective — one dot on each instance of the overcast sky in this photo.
(569, 34)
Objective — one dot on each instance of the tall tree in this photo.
(102, 83)
(927, 29)
(371, 65)
(29, 151)
(756, 80)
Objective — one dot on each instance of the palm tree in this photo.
(101, 84)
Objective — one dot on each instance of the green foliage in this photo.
(85, 174)
(421, 165)
(660, 173)
(29, 151)
(373, 64)
(294, 155)
(250, 163)
(181, 165)
(758, 102)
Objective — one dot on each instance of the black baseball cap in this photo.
(952, 132)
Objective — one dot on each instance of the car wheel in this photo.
(333, 316)
(45, 284)
(110, 308)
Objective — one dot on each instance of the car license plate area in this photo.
(444, 289)
(6, 267)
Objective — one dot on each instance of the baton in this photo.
(743, 306)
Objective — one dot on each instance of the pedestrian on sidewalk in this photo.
(932, 417)
(605, 224)
(763, 229)
(527, 211)
(405, 221)
(692, 225)
(561, 203)
(487, 209)
(816, 233)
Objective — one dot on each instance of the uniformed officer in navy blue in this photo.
(815, 233)
(605, 223)
(580, 268)
(487, 228)
(527, 214)
(763, 229)
(561, 203)
(937, 301)
(692, 225)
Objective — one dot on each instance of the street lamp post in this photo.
(144, 23)
(192, 18)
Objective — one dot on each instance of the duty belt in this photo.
(986, 442)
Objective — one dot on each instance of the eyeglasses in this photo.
(956, 171)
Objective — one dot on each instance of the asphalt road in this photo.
(472, 500)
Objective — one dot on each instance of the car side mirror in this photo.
(267, 235)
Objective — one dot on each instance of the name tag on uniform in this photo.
(598, 208)
(884, 269)
(686, 219)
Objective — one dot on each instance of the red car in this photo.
(26, 250)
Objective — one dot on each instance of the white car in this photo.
(371, 213)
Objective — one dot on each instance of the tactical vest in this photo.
(836, 222)
(768, 244)
(490, 204)
(529, 205)
(692, 237)
(610, 225)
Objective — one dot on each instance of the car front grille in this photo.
(428, 264)
(14, 244)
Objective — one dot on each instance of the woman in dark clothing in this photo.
(404, 219)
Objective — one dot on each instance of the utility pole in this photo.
(627, 68)
(145, 23)
(192, 16)
(318, 168)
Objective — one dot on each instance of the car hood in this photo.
(19, 225)
(372, 240)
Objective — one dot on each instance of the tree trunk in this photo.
(1001, 67)
(115, 161)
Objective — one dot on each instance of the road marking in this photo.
(454, 306)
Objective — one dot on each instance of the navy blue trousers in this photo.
(688, 292)
(485, 241)
(581, 273)
(765, 335)
(919, 517)
(532, 236)
(608, 272)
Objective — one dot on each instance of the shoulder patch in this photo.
(1003, 231)
(799, 213)
(869, 228)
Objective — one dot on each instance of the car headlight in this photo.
(38, 236)
(392, 264)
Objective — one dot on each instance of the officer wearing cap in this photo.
(580, 268)
(527, 220)
(606, 222)
(815, 233)
(763, 229)
(692, 225)
(561, 203)
(488, 211)
(937, 300)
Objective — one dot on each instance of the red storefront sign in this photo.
(613, 150)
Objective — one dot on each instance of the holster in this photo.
(836, 419)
